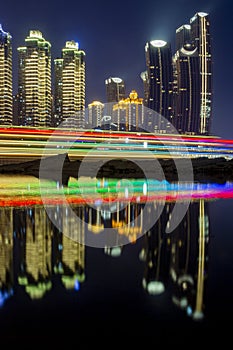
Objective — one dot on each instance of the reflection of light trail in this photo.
(26, 190)
(198, 313)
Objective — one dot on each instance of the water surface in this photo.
(128, 282)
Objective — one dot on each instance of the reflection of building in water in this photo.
(73, 226)
(69, 248)
(189, 259)
(95, 220)
(180, 257)
(175, 261)
(156, 252)
(35, 251)
(128, 221)
(6, 254)
(124, 217)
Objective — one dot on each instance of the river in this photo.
(108, 258)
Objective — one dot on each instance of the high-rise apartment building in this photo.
(69, 96)
(193, 76)
(201, 36)
(115, 92)
(186, 89)
(57, 99)
(34, 81)
(183, 35)
(144, 77)
(95, 114)
(6, 103)
(159, 96)
(115, 89)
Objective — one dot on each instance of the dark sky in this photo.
(113, 35)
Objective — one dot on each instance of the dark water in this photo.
(174, 287)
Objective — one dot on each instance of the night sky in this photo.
(113, 35)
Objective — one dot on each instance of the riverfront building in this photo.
(6, 103)
(69, 94)
(193, 76)
(34, 81)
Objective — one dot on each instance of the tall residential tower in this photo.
(200, 35)
(159, 75)
(193, 91)
(115, 89)
(6, 103)
(34, 81)
(186, 83)
(69, 97)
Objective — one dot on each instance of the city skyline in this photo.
(106, 60)
(176, 86)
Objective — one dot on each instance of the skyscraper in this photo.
(193, 76)
(95, 114)
(57, 99)
(144, 77)
(34, 81)
(69, 97)
(115, 89)
(115, 92)
(160, 81)
(6, 103)
(200, 35)
(186, 89)
(183, 35)
(179, 87)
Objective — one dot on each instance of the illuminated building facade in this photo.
(200, 35)
(115, 89)
(179, 87)
(182, 35)
(6, 103)
(57, 100)
(144, 77)
(34, 81)
(186, 88)
(193, 77)
(115, 92)
(95, 114)
(128, 113)
(69, 96)
(159, 96)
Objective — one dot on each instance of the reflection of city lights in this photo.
(76, 285)
(154, 287)
(26, 191)
(4, 296)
